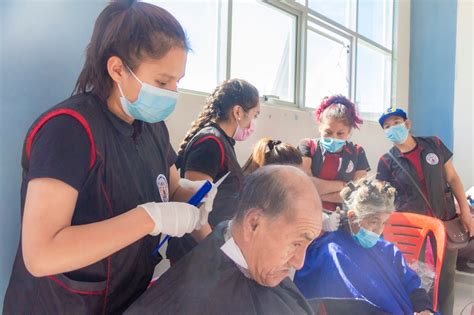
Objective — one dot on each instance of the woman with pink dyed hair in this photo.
(333, 159)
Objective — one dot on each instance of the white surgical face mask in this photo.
(152, 105)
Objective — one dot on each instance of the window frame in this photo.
(298, 33)
(304, 16)
(309, 15)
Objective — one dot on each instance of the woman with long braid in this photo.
(207, 152)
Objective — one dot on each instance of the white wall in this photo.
(463, 96)
(286, 124)
(291, 124)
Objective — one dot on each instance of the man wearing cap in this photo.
(422, 165)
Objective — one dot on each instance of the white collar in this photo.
(232, 250)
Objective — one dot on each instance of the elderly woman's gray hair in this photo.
(368, 197)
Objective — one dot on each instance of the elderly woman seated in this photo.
(353, 270)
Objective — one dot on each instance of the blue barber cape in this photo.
(336, 267)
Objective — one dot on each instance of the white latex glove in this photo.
(208, 200)
(331, 221)
(172, 218)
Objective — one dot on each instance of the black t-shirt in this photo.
(205, 157)
(53, 156)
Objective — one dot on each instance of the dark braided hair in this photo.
(219, 105)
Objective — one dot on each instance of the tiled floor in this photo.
(464, 294)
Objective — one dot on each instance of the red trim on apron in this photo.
(221, 147)
(46, 118)
(64, 286)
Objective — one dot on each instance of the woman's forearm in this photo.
(327, 186)
(332, 197)
(75, 247)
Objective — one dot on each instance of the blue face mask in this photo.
(331, 144)
(397, 134)
(152, 105)
(365, 238)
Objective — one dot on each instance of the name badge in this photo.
(162, 185)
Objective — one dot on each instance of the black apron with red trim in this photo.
(408, 198)
(227, 195)
(122, 175)
(348, 161)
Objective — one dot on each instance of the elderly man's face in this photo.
(275, 245)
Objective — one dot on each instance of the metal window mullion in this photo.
(339, 28)
(328, 27)
(298, 81)
(394, 49)
(230, 5)
(219, 42)
(356, 17)
(354, 75)
(350, 67)
(334, 39)
(329, 21)
(354, 58)
(284, 6)
(374, 44)
(302, 62)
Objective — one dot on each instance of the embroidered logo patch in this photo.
(432, 159)
(162, 185)
(350, 167)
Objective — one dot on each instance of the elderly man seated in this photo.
(243, 266)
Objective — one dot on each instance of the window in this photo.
(206, 62)
(373, 81)
(375, 21)
(264, 53)
(341, 11)
(297, 51)
(362, 29)
(327, 66)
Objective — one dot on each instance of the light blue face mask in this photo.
(152, 105)
(365, 238)
(332, 144)
(397, 134)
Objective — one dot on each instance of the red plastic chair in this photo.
(408, 231)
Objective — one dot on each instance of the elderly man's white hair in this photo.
(368, 197)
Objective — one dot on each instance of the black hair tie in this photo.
(351, 186)
(386, 187)
(272, 144)
(370, 186)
